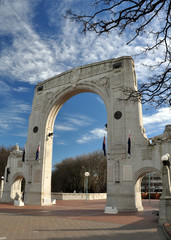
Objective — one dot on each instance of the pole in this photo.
(86, 188)
(149, 190)
(87, 174)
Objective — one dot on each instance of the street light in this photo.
(87, 174)
(165, 159)
(166, 175)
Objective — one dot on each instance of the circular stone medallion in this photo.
(35, 129)
(117, 115)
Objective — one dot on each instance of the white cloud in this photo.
(100, 100)
(94, 134)
(33, 57)
(155, 123)
(8, 120)
(4, 88)
(13, 15)
(3, 125)
(73, 122)
(28, 58)
(64, 127)
(13, 116)
(78, 119)
(60, 143)
(21, 89)
(163, 116)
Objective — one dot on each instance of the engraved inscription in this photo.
(37, 175)
(110, 173)
(19, 164)
(127, 173)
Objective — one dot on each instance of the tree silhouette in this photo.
(69, 175)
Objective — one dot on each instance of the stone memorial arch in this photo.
(124, 171)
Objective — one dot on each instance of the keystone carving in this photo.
(75, 75)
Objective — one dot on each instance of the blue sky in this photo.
(37, 43)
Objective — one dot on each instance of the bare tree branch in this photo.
(137, 17)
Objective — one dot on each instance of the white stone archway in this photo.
(138, 178)
(16, 187)
(107, 79)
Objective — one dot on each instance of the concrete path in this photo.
(78, 220)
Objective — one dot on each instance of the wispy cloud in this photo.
(61, 143)
(4, 88)
(94, 134)
(58, 141)
(78, 119)
(64, 127)
(100, 100)
(28, 57)
(13, 116)
(156, 122)
(21, 89)
(32, 56)
(163, 115)
(73, 122)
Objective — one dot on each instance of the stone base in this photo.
(54, 201)
(111, 210)
(18, 203)
(165, 210)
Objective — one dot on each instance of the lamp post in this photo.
(165, 159)
(87, 174)
(2, 186)
(166, 175)
(149, 187)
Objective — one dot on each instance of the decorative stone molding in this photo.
(19, 164)
(75, 75)
(16, 154)
(142, 171)
(147, 154)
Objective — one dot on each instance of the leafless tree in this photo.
(4, 154)
(139, 18)
(69, 175)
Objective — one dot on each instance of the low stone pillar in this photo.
(18, 203)
(1, 187)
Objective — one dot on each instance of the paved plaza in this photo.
(78, 220)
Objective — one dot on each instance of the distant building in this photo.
(152, 181)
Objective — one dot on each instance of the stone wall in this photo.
(78, 196)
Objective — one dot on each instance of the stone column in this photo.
(165, 199)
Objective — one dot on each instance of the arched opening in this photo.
(151, 186)
(18, 188)
(52, 113)
(78, 133)
(146, 189)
